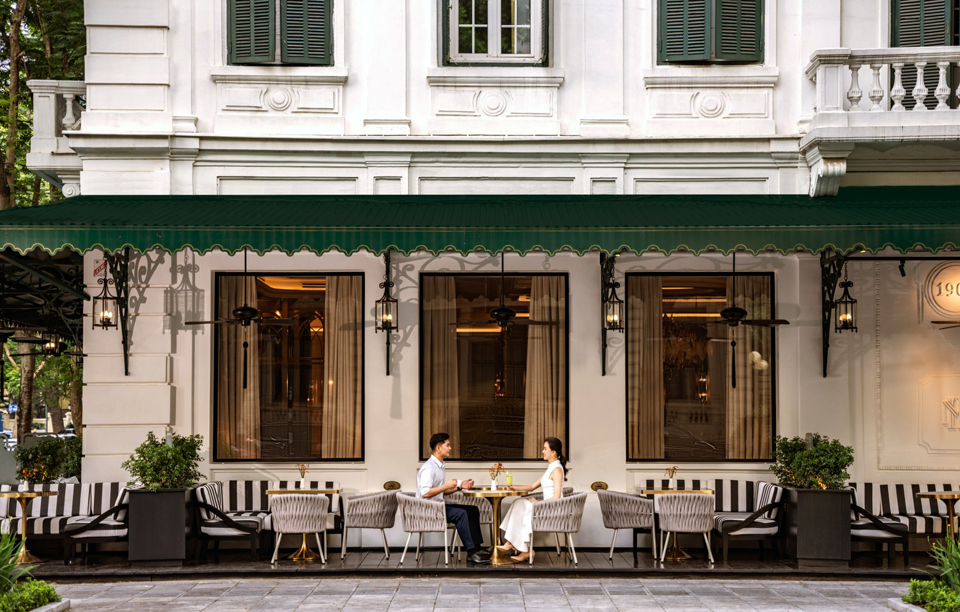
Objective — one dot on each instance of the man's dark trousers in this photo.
(467, 521)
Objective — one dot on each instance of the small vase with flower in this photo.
(495, 470)
(671, 473)
(302, 468)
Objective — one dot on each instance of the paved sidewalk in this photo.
(502, 595)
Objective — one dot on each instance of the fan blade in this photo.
(217, 322)
(477, 321)
(950, 327)
(529, 322)
(945, 322)
(25, 354)
(765, 322)
(733, 364)
(245, 345)
(287, 322)
(30, 340)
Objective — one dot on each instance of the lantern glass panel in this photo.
(104, 312)
(386, 314)
(846, 315)
(613, 314)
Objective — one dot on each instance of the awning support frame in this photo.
(830, 269)
(119, 264)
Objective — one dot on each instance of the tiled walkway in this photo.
(502, 595)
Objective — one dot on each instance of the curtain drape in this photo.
(343, 368)
(645, 399)
(238, 414)
(748, 406)
(546, 389)
(441, 383)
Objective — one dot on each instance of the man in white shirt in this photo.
(432, 483)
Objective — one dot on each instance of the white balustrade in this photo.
(832, 69)
(56, 109)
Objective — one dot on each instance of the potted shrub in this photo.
(49, 459)
(817, 508)
(161, 513)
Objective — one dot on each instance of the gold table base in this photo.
(304, 553)
(26, 557)
(676, 553)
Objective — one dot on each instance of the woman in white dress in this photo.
(517, 526)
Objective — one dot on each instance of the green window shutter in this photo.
(739, 30)
(920, 23)
(306, 31)
(683, 33)
(250, 31)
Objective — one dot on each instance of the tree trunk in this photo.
(37, 186)
(25, 409)
(8, 200)
(76, 404)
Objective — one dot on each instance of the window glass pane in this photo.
(497, 391)
(681, 404)
(480, 40)
(523, 40)
(302, 394)
(466, 40)
(506, 12)
(480, 13)
(506, 40)
(466, 12)
(523, 12)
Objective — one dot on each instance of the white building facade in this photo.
(551, 97)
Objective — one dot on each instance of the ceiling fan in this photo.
(949, 324)
(503, 315)
(245, 316)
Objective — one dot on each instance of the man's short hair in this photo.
(437, 439)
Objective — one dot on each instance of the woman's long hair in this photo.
(557, 446)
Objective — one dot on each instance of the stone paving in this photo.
(503, 595)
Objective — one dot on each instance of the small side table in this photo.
(25, 497)
(495, 497)
(304, 553)
(949, 498)
(676, 553)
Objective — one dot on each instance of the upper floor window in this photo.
(710, 31)
(305, 32)
(495, 32)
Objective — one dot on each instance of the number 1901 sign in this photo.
(941, 290)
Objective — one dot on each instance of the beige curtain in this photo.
(645, 396)
(441, 383)
(343, 367)
(749, 405)
(238, 414)
(546, 389)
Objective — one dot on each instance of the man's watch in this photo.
(459, 488)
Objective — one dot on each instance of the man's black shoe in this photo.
(478, 559)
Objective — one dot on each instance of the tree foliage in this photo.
(820, 463)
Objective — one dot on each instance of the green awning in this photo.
(904, 218)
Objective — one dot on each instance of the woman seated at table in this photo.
(518, 524)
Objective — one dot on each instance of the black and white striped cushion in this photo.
(122, 498)
(868, 497)
(109, 528)
(762, 526)
(101, 496)
(314, 484)
(734, 495)
(927, 525)
(264, 518)
(902, 499)
(37, 525)
(212, 495)
(246, 496)
(768, 493)
(220, 529)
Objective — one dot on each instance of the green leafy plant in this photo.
(946, 557)
(154, 465)
(10, 572)
(51, 458)
(820, 463)
(933, 595)
(28, 595)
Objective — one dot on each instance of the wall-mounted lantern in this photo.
(845, 308)
(611, 305)
(387, 311)
(105, 304)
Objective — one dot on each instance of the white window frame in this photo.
(493, 36)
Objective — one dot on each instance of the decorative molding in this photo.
(711, 77)
(827, 165)
(284, 75)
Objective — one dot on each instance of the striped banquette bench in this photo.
(744, 510)
(50, 517)
(898, 503)
(246, 506)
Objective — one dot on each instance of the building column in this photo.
(603, 60)
(385, 23)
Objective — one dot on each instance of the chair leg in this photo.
(653, 539)
(419, 540)
(254, 539)
(726, 546)
(706, 538)
(573, 548)
(216, 551)
(663, 545)
(402, 556)
(906, 552)
(276, 547)
(614, 541)
(446, 549)
(386, 549)
(556, 536)
(323, 557)
(343, 547)
(760, 546)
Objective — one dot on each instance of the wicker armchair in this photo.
(216, 526)
(419, 516)
(370, 511)
(626, 511)
(560, 516)
(538, 495)
(686, 513)
(299, 514)
(486, 515)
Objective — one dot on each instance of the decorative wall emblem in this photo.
(941, 290)
(279, 98)
(492, 103)
(951, 413)
(709, 105)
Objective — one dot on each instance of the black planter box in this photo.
(818, 527)
(162, 530)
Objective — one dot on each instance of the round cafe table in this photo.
(949, 498)
(24, 497)
(495, 497)
(304, 553)
(676, 553)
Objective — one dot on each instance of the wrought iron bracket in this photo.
(830, 272)
(386, 268)
(119, 264)
(606, 277)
